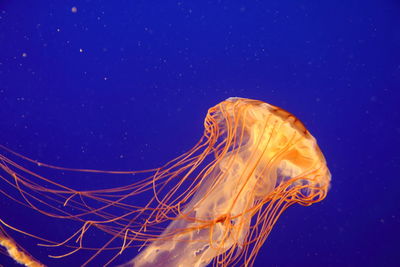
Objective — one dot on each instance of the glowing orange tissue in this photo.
(216, 203)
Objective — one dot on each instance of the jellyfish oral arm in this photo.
(192, 239)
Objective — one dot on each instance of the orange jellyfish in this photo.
(215, 204)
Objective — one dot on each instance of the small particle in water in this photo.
(81, 50)
(24, 54)
(74, 9)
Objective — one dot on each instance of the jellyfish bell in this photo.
(217, 202)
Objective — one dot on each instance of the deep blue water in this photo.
(126, 85)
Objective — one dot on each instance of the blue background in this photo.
(126, 85)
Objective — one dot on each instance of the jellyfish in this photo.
(215, 204)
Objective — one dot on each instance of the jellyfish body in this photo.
(217, 202)
(268, 161)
